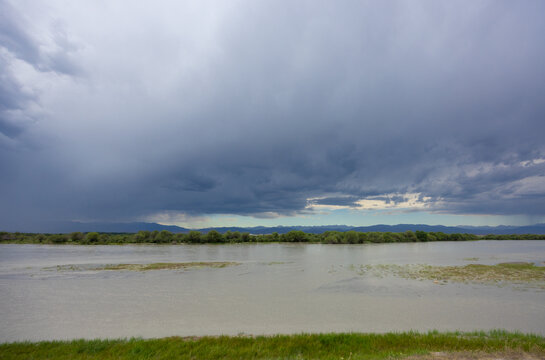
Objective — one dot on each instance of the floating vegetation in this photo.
(146, 267)
(515, 273)
(275, 263)
(471, 259)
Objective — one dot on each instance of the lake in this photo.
(277, 288)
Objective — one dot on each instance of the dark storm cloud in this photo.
(255, 108)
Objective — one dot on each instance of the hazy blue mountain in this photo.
(66, 227)
(480, 230)
(132, 227)
(281, 229)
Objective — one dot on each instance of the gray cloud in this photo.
(13, 35)
(18, 45)
(253, 108)
(55, 55)
(12, 98)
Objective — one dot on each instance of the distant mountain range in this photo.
(66, 227)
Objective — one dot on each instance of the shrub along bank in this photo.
(195, 237)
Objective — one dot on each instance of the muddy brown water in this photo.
(277, 288)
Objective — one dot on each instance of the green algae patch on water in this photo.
(146, 267)
(169, 266)
(275, 263)
(499, 274)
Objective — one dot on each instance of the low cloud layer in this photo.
(117, 112)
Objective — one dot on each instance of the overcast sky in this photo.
(205, 113)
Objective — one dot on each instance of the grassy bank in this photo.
(304, 346)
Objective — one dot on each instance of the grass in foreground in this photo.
(145, 267)
(352, 346)
(517, 273)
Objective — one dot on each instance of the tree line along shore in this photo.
(214, 237)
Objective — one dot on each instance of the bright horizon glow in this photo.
(343, 217)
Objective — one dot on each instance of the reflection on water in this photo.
(278, 288)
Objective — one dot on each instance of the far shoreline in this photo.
(165, 237)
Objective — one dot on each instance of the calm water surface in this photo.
(278, 288)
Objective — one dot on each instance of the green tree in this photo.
(180, 237)
(104, 238)
(214, 237)
(76, 236)
(362, 238)
(163, 237)
(233, 236)
(374, 237)
(58, 238)
(388, 237)
(332, 238)
(421, 235)
(410, 236)
(194, 237)
(142, 236)
(245, 237)
(351, 237)
(295, 236)
(92, 237)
